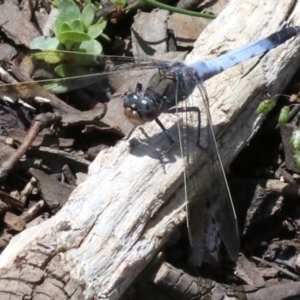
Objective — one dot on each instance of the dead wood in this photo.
(33, 212)
(175, 282)
(118, 219)
(15, 25)
(17, 92)
(40, 122)
(41, 139)
(54, 193)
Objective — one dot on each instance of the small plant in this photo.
(295, 145)
(161, 5)
(266, 105)
(284, 116)
(119, 4)
(74, 31)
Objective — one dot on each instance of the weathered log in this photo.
(117, 220)
(180, 285)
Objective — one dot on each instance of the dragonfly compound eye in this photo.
(130, 109)
(133, 116)
(147, 109)
(139, 109)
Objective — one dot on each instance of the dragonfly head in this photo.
(140, 109)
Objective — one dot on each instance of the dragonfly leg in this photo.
(138, 88)
(197, 110)
(127, 137)
(160, 124)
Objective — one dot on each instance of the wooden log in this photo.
(175, 282)
(119, 218)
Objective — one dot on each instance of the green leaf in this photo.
(295, 140)
(284, 115)
(55, 87)
(65, 27)
(68, 11)
(56, 3)
(95, 30)
(77, 25)
(118, 3)
(86, 2)
(67, 58)
(106, 37)
(50, 57)
(297, 159)
(46, 43)
(90, 47)
(266, 105)
(88, 15)
(72, 37)
(64, 70)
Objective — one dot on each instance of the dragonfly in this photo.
(141, 108)
(161, 93)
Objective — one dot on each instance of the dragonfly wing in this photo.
(62, 71)
(214, 184)
(218, 193)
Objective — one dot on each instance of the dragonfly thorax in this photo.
(140, 109)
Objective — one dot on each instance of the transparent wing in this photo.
(217, 189)
(219, 193)
(62, 71)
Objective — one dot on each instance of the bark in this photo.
(119, 218)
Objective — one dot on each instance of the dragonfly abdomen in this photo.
(209, 68)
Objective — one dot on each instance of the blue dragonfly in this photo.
(162, 93)
(145, 107)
